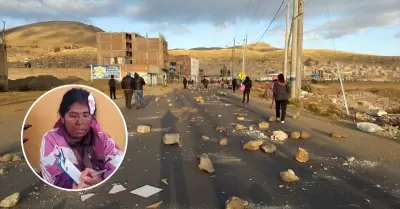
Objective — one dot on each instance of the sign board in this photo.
(241, 75)
(105, 72)
(269, 72)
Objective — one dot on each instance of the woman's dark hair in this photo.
(281, 78)
(247, 78)
(71, 97)
(112, 76)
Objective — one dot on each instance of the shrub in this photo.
(57, 49)
(306, 87)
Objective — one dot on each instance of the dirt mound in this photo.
(32, 83)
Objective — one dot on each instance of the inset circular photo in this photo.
(74, 137)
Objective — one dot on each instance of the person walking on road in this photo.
(138, 83)
(281, 93)
(271, 87)
(127, 86)
(247, 86)
(113, 89)
(185, 82)
(234, 84)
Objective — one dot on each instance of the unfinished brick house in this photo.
(150, 51)
(134, 53)
(114, 48)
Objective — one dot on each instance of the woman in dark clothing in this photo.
(247, 86)
(281, 93)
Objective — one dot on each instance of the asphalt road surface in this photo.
(324, 183)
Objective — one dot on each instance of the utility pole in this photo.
(300, 69)
(233, 56)
(285, 62)
(244, 48)
(293, 79)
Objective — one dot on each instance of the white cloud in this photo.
(351, 16)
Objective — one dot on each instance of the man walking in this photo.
(111, 84)
(138, 83)
(184, 82)
(234, 84)
(127, 86)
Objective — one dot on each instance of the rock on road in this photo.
(327, 180)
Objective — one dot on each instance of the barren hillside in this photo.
(49, 44)
(53, 34)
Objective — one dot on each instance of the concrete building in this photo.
(185, 66)
(3, 67)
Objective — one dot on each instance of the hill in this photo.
(38, 42)
(52, 34)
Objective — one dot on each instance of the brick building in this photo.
(150, 51)
(185, 66)
(114, 48)
(131, 48)
(3, 67)
(134, 53)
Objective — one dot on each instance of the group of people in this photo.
(186, 82)
(131, 86)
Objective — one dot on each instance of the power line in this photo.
(277, 16)
(273, 19)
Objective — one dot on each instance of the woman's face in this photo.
(77, 120)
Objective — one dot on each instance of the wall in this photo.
(3, 67)
(45, 111)
(18, 73)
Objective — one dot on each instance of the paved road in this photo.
(251, 175)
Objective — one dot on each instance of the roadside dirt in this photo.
(14, 106)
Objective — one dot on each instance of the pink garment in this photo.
(54, 141)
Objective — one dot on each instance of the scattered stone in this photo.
(272, 119)
(199, 100)
(279, 135)
(377, 113)
(336, 134)
(263, 125)
(16, 158)
(205, 137)
(235, 203)
(302, 155)
(170, 139)
(220, 129)
(369, 127)
(6, 158)
(240, 118)
(206, 164)
(2, 172)
(143, 129)
(295, 135)
(296, 115)
(239, 127)
(155, 205)
(223, 142)
(304, 135)
(289, 176)
(253, 145)
(10, 201)
(164, 181)
(269, 148)
(170, 105)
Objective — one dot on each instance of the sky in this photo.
(362, 26)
